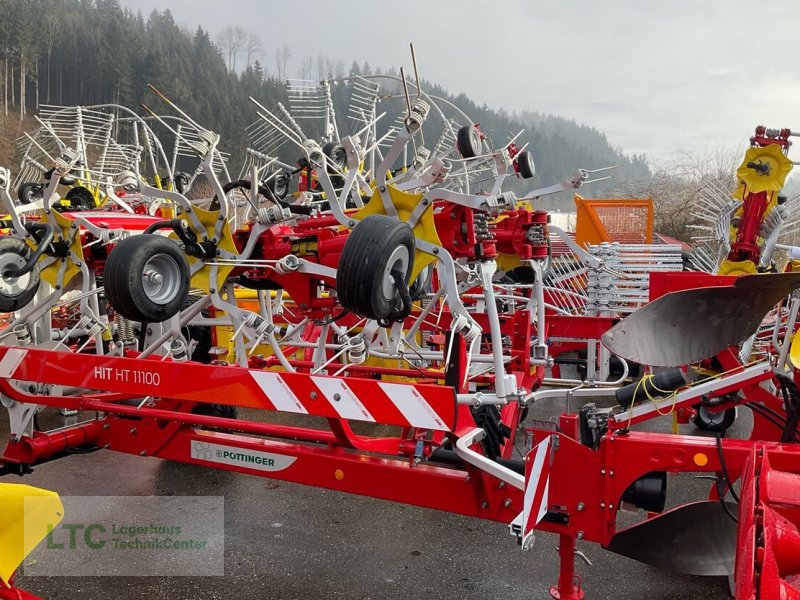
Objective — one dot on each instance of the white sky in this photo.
(656, 76)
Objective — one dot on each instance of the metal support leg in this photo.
(569, 584)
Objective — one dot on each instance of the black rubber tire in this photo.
(279, 185)
(216, 410)
(29, 193)
(708, 421)
(80, 198)
(422, 284)
(124, 273)
(527, 168)
(337, 155)
(14, 253)
(181, 181)
(468, 141)
(364, 261)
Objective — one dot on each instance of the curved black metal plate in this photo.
(684, 327)
(693, 539)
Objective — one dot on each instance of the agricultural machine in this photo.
(364, 279)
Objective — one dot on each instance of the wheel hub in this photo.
(399, 260)
(12, 286)
(161, 278)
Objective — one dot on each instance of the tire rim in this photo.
(339, 158)
(476, 141)
(12, 286)
(399, 260)
(161, 278)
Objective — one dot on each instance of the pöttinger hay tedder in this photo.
(387, 291)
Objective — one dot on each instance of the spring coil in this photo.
(124, 327)
(23, 334)
(179, 351)
(256, 323)
(357, 351)
(272, 214)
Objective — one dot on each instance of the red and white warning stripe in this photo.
(537, 484)
(423, 405)
(357, 399)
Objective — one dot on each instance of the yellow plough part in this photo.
(27, 515)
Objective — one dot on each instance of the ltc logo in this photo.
(202, 450)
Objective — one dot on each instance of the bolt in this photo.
(507, 502)
(484, 504)
(106, 426)
(579, 535)
(337, 397)
(602, 505)
(313, 395)
(107, 446)
(581, 506)
(436, 251)
(382, 189)
(132, 431)
(351, 223)
(602, 471)
(426, 202)
(143, 453)
(501, 485)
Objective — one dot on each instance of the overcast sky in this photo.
(656, 76)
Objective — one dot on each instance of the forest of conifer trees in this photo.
(68, 52)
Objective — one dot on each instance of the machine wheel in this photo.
(215, 410)
(147, 278)
(279, 185)
(181, 182)
(468, 141)
(365, 285)
(29, 193)
(422, 284)
(705, 420)
(336, 153)
(16, 292)
(80, 198)
(527, 168)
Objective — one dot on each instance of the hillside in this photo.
(109, 54)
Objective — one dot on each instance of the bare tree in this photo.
(231, 41)
(225, 44)
(253, 47)
(676, 187)
(306, 67)
(321, 64)
(338, 69)
(282, 55)
(239, 41)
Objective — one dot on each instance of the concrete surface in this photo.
(287, 541)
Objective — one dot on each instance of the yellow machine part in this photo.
(27, 515)
(774, 178)
(62, 227)
(737, 267)
(201, 279)
(405, 203)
